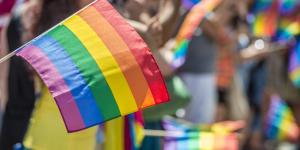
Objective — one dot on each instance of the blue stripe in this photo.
(73, 78)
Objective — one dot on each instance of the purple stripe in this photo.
(57, 86)
(293, 61)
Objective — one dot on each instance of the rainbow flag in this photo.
(288, 6)
(124, 133)
(189, 26)
(294, 63)
(134, 131)
(265, 22)
(195, 138)
(280, 122)
(96, 67)
(260, 5)
(287, 29)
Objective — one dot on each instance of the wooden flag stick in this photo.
(162, 133)
(8, 56)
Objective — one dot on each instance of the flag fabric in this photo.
(288, 6)
(124, 133)
(261, 5)
(189, 26)
(294, 64)
(192, 137)
(134, 131)
(96, 67)
(265, 22)
(288, 28)
(280, 123)
(188, 4)
(266, 16)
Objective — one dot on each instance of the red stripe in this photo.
(138, 48)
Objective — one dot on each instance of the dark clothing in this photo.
(20, 93)
(201, 55)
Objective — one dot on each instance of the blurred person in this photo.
(19, 89)
(46, 129)
(199, 70)
(158, 15)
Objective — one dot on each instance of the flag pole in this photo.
(13, 53)
(162, 133)
(8, 56)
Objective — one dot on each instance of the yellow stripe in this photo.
(295, 74)
(106, 62)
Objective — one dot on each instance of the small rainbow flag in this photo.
(294, 63)
(124, 133)
(261, 5)
(188, 4)
(96, 67)
(287, 29)
(280, 122)
(134, 131)
(265, 23)
(189, 26)
(195, 138)
(288, 6)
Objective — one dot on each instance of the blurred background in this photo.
(232, 69)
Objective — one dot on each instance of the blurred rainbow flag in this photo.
(280, 123)
(265, 22)
(195, 138)
(287, 29)
(261, 5)
(294, 63)
(189, 26)
(124, 133)
(188, 4)
(288, 6)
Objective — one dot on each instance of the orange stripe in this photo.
(122, 55)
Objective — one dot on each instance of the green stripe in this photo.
(89, 70)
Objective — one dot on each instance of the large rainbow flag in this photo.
(96, 67)
(280, 123)
(189, 26)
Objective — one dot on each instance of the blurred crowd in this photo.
(232, 73)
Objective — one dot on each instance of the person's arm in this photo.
(252, 53)
(4, 69)
(3, 42)
(140, 27)
(212, 29)
(143, 30)
(167, 10)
